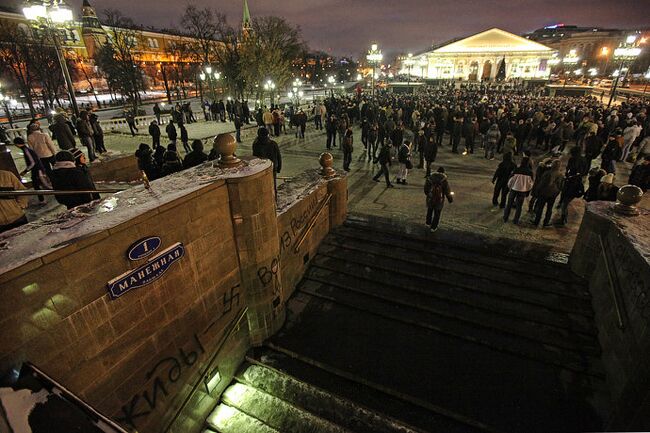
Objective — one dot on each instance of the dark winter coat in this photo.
(194, 158)
(70, 178)
(268, 149)
(62, 133)
(439, 179)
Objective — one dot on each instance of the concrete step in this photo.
(517, 308)
(227, 419)
(353, 390)
(432, 369)
(420, 316)
(329, 283)
(463, 259)
(498, 252)
(275, 412)
(357, 258)
(317, 401)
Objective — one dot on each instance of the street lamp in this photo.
(50, 16)
(626, 52)
(374, 57)
(269, 86)
(409, 64)
(210, 76)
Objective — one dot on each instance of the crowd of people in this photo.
(547, 146)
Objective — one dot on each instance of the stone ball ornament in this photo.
(326, 161)
(225, 144)
(628, 197)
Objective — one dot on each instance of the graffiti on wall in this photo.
(169, 369)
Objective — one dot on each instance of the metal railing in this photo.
(613, 286)
(312, 222)
(230, 329)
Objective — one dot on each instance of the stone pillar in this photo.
(338, 187)
(252, 205)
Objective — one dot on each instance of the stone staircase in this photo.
(396, 330)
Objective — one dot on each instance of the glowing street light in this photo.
(627, 52)
(374, 57)
(50, 15)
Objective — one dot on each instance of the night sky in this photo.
(346, 27)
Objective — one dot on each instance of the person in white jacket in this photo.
(42, 144)
(520, 185)
(629, 136)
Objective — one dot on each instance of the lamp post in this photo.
(210, 77)
(269, 86)
(627, 51)
(50, 16)
(409, 64)
(374, 57)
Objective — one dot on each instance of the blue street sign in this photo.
(143, 248)
(147, 273)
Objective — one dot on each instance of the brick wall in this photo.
(119, 169)
(145, 358)
(625, 342)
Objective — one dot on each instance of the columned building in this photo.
(480, 57)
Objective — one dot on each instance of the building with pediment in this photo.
(479, 58)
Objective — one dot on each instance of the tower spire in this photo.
(247, 15)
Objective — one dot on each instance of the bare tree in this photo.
(15, 59)
(116, 57)
(203, 26)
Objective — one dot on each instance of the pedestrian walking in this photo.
(404, 159)
(347, 147)
(502, 175)
(519, 185)
(436, 188)
(384, 161)
(550, 186)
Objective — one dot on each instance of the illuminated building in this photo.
(479, 57)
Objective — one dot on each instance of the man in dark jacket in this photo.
(67, 176)
(196, 156)
(436, 188)
(62, 132)
(264, 147)
(146, 162)
(171, 131)
(384, 161)
(154, 131)
(550, 186)
(500, 180)
(640, 175)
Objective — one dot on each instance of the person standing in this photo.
(185, 139)
(550, 186)
(156, 112)
(640, 175)
(500, 180)
(404, 159)
(130, 119)
(62, 132)
(196, 156)
(171, 131)
(520, 185)
(68, 177)
(98, 133)
(384, 161)
(238, 125)
(12, 213)
(154, 131)
(420, 144)
(372, 142)
(348, 148)
(330, 128)
(574, 187)
(593, 146)
(264, 147)
(436, 188)
(42, 144)
(85, 131)
(34, 167)
(491, 140)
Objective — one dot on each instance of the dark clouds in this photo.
(348, 26)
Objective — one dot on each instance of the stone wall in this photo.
(152, 357)
(621, 300)
(123, 168)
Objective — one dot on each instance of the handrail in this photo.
(612, 286)
(231, 327)
(56, 192)
(311, 224)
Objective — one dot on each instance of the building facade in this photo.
(481, 56)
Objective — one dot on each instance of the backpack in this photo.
(436, 194)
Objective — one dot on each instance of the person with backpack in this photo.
(348, 147)
(384, 161)
(520, 185)
(436, 188)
